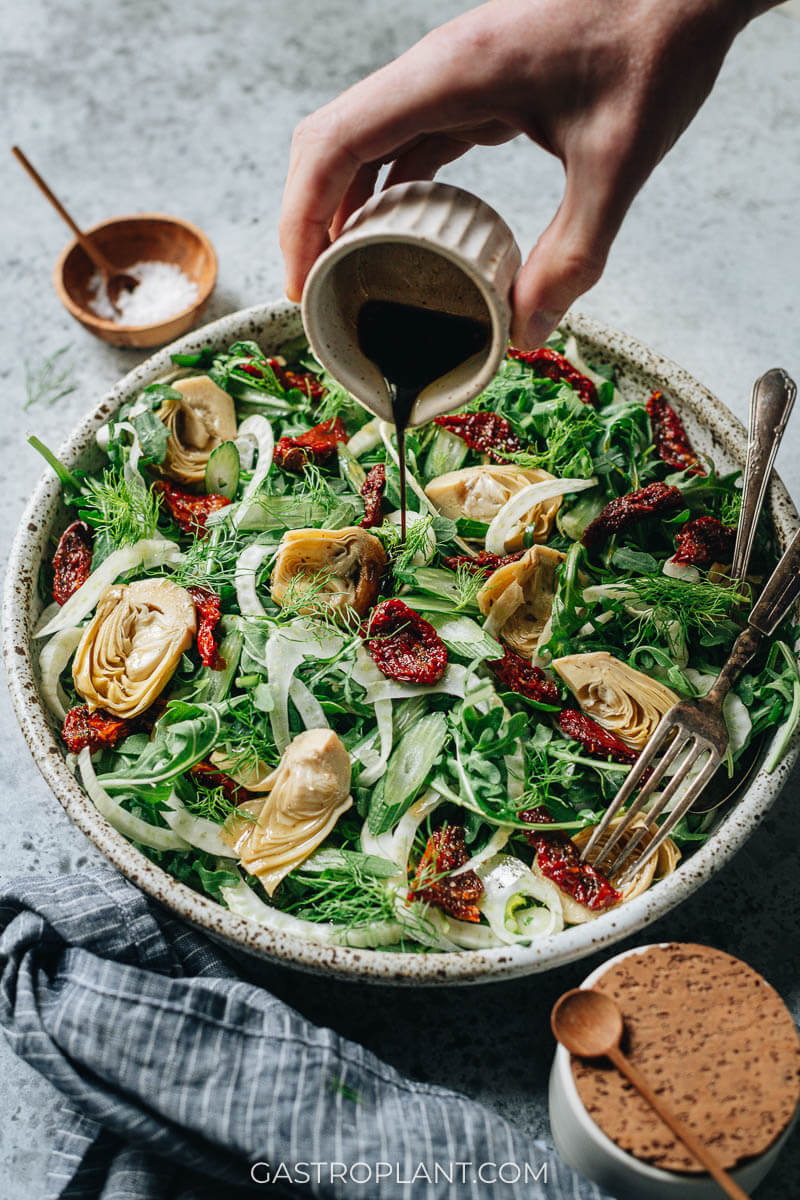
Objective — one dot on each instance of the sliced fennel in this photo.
(366, 438)
(350, 469)
(465, 637)
(409, 765)
(52, 660)
(395, 844)
(447, 453)
(453, 682)
(145, 554)
(245, 576)
(367, 674)
(286, 648)
(308, 706)
(126, 823)
(505, 878)
(199, 832)
(258, 430)
(508, 523)
(685, 571)
(244, 902)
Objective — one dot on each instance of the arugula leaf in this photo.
(638, 561)
(185, 734)
(201, 358)
(156, 394)
(153, 436)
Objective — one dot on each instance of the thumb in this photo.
(568, 259)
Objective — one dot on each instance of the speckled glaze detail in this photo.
(413, 240)
(713, 430)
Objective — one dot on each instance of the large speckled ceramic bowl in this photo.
(713, 430)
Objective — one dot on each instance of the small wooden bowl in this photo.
(145, 237)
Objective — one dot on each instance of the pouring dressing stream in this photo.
(412, 347)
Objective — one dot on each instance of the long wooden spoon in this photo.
(116, 281)
(588, 1023)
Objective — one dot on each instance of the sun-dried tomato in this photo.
(594, 739)
(454, 894)
(306, 381)
(518, 675)
(207, 604)
(558, 858)
(483, 561)
(486, 432)
(72, 562)
(97, 730)
(372, 491)
(704, 541)
(620, 513)
(188, 511)
(206, 774)
(292, 453)
(404, 645)
(670, 438)
(553, 365)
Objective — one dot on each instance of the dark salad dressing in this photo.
(413, 346)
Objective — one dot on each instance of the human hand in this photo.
(607, 86)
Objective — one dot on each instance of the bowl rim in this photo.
(244, 934)
(87, 317)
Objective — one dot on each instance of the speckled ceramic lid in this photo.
(713, 430)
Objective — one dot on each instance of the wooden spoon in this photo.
(116, 281)
(588, 1023)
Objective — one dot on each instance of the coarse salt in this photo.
(163, 291)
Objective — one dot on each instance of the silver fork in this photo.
(695, 729)
(770, 407)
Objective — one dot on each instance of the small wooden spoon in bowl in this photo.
(589, 1024)
(116, 281)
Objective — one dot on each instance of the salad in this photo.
(378, 743)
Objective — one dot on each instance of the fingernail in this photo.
(539, 328)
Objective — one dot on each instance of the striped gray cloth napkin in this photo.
(182, 1080)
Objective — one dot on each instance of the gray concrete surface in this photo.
(188, 108)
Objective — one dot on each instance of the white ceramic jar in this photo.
(424, 244)
(583, 1145)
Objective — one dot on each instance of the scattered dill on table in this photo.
(51, 380)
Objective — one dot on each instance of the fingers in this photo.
(571, 254)
(336, 153)
(359, 191)
(314, 188)
(424, 159)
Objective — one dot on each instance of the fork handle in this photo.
(770, 406)
(774, 603)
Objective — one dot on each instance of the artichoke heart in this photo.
(131, 647)
(518, 599)
(343, 567)
(480, 492)
(620, 698)
(310, 789)
(200, 420)
(661, 864)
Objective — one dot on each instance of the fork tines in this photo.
(675, 739)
